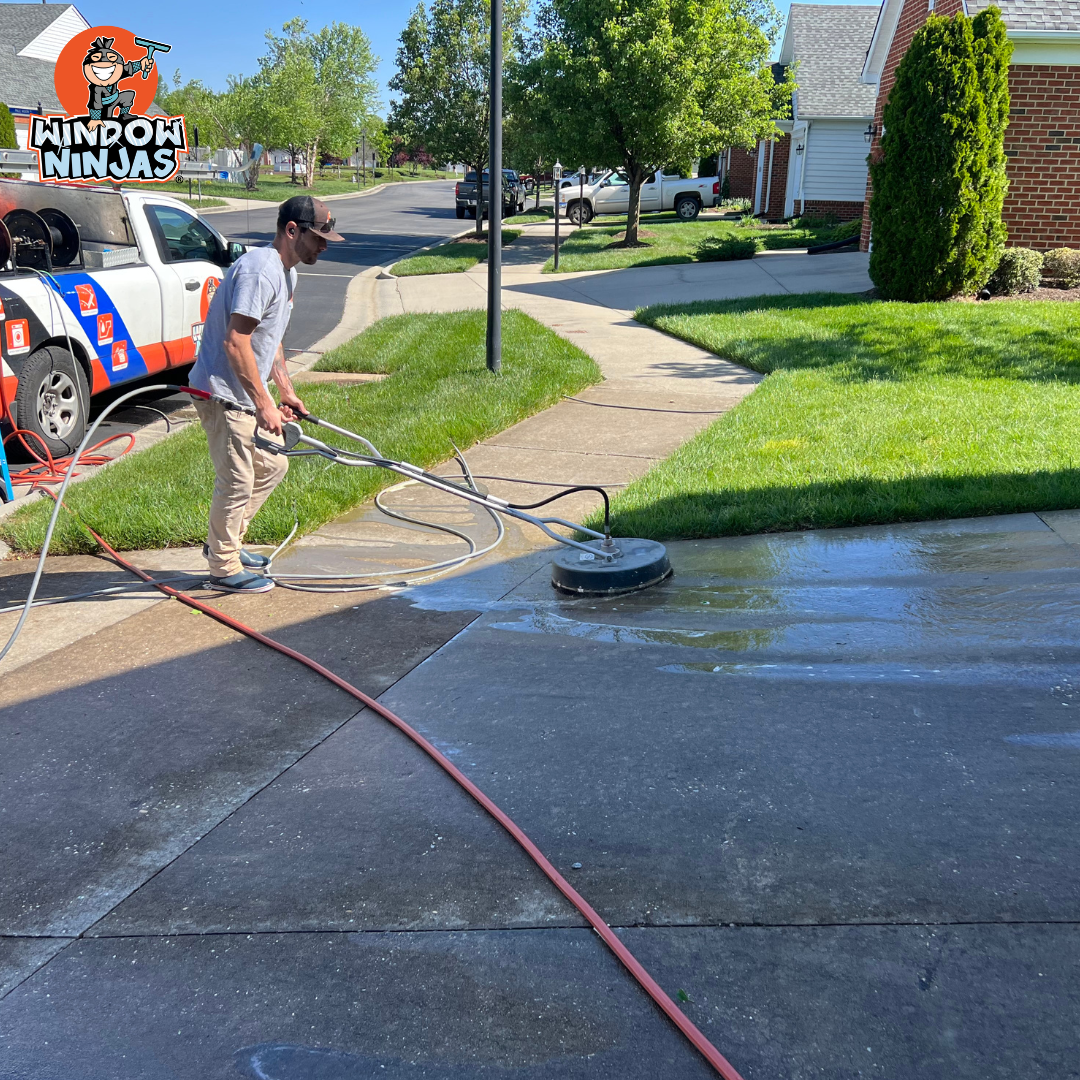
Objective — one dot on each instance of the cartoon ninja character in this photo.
(103, 68)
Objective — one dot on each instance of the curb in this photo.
(385, 270)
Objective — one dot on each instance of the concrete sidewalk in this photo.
(657, 391)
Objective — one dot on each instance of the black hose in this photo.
(570, 491)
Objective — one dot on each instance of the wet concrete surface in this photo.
(825, 782)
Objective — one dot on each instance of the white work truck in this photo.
(661, 191)
(98, 287)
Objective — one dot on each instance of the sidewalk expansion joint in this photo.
(580, 453)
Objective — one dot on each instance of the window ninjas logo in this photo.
(105, 134)
(138, 149)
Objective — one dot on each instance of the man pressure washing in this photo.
(240, 350)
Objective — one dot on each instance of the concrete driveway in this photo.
(823, 783)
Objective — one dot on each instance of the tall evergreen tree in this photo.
(7, 128)
(939, 182)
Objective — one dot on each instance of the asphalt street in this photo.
(378, 230)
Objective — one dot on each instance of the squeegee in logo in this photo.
(105, 133)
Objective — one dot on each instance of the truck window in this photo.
(616, 179)
(180, 236)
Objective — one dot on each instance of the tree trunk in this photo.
(292, 164)
(636, 175)
(311, 156)
(251, 179)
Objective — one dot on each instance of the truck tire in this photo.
(687, 208)
(52, 400)
(459, 211)
(472, 211)
(579, 213)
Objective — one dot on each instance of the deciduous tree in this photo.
(638, 84)
(442, 77)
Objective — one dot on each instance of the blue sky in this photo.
(213, 39)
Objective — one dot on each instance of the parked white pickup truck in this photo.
(97, 287)
(662, 191)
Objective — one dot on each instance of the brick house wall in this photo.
(842, 211)
(1042, 141)
(779, 154)
(741, 173)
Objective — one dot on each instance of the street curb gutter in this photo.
(385, 270)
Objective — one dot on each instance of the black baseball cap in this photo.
(308, 213)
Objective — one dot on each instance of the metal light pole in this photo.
(358, 167)
(494, 299)
(581, 197)
(556, 176)
(363, 155)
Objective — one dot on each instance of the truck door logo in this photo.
(18, 336)
(210, 286)
(119, 355)
(87, 299)
(104, 329)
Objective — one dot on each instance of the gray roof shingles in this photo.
(829, 42)
(1051, 15)
(24, 81)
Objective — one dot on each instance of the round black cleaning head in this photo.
(641, 564)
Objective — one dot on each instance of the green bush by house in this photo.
(1020, 270)
(1062, 267)
(939, 183)
(7, 129)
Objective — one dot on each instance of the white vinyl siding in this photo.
(835, 161)
(49, 43)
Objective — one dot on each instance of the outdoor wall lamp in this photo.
(799, 149)
(869, 133)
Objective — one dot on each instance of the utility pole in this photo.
(495, 204)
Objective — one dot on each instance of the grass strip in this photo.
(275, 187)
(871, 413)
(670, 240)
(437, 389)
(452, 258)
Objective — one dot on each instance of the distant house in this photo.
(817, 166)
(32, 37)
(1042, 142)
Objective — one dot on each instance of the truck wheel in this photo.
(52, 400)
(687, 208)
(472, 211)
(460, 211)
(579, 213)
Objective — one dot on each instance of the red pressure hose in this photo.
(645, 980)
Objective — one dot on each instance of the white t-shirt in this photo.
(255, 285)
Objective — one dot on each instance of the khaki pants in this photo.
(244, 477)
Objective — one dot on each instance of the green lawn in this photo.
(275, 187)
(438, 389)
(453, 258)
(672, 241)
(872, 412)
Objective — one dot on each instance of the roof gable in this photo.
(829, 44)
(50, 42)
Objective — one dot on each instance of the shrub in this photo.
(844, 231)
(939, 181)
(1062, 267)
(724, 248)
(748, 221)
(1018, 271)
(808, 221)
(7, 128)
(725, 189)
